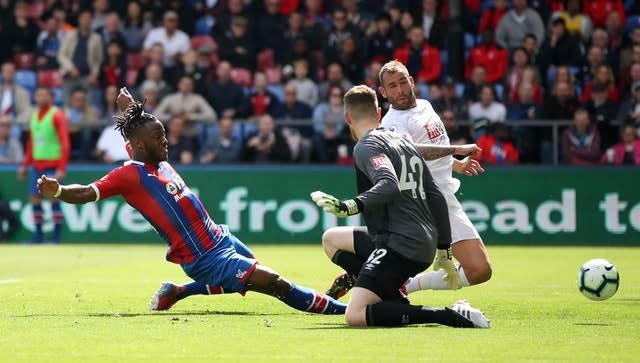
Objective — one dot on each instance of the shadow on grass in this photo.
(592, 324)
(176, 314)
(325, 326)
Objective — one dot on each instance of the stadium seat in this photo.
(199, 40)
(499, 91)
(424, 91)
(58, 96)
(273, 74)
(242, 76)
(204, 25)
(632, 23)
(50, 78)
(23, 60)
(26, 79)
(265, 59)
(277, 90)
(136, 60)
(132, 76)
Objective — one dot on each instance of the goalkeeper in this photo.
(407, 220)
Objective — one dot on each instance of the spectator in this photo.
(561, 103)
(629, 79)
(450, 100)
(174, 41)
(136, 27)
(496, 147)
(595, 58)
(458, 135)
(181, 146)
(487, 109)
(495, 60)
(597, 10)
(223, 149)
(603, 111)
(21, 32)
(110, 147)
(189, 67)
(422, 60)
(155, 55)
(373, 81)
(434, 26)
(526, 108)
(578, 24)
(629, 111)
(80, 58)
(10, 147)
(401, 29)
(492, 16)
(560, 48)
(600, 38)
(357, 17)
(110, 31)
(262, 100)
(530, 44)
(48, 44)
(616, 33)
(82, 117)
(380, 43)
(153, 74)
(149, 92)
(226, 96)
(307, 90)
(331, 111)
(581, 141)
(350, 59)
(301, 50)
(340, 30)
(472, 87)
(108, 108)
(295, 30)
(519, 62)
(100, 13)
(332, 146)
(627, 151)
(564, 74)
(206, 62)
(113, 71)
(335, 77)
(14, 100)
(271, 27)
(517, 23)
(267, 144)
(294, 110)
(186, 13)
(237, 45)
(629, 53)
(603, 75)
(528, 140)
(529, 76)
(235, 8)
(192, 107)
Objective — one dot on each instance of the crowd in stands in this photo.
(262, 81)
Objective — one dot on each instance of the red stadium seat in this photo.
(265, 59)
(242, 76)
(51, 78)
(132, 76)
(23, 60)
(199, 40)
(273, 74)
(136, 60)
(35, 9)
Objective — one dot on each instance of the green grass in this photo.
(84, 303)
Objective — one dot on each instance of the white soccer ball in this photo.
(598, 279)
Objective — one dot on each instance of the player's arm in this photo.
(467, 166)
(432, 152)
(74, 194)
(124, 99)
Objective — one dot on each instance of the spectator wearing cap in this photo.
(380, 43)
(174, 41)
(80, 57)
(494, 59)
(450, 100)
(603, 111)
(225, 95)
(629, 111)
(237, 46)
(422, 60)
(517, 23)
(560, 48)
(581, 141)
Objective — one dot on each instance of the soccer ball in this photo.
(598, 279)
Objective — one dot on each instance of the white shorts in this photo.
(461, 226)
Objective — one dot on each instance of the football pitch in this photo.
(88, 303)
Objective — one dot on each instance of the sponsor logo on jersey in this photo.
(380, 161)
(434, 130)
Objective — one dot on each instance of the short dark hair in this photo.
(132, 119)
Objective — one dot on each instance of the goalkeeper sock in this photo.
(348, 261)
(198, 288)
(388, 313)
(432, 280)
(305, 299)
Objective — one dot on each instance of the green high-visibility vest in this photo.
(45, 144)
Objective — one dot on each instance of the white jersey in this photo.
(422, 125)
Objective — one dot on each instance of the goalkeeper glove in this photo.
(333, 205)
(444, 261)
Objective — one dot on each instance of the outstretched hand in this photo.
(48, 186)
(468, 167)
(124, 99)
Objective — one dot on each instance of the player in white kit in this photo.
(417, 121)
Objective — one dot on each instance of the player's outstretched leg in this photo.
(170, 293)
(267, 281)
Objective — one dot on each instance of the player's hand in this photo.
(48, 187)
(443, 261)
(467, 166)
(124, 99)
(333, 205)
(468, 149)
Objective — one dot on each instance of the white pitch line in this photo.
(8, 281)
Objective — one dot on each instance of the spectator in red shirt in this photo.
(262, 100)
(496, 147)
(599, 9)
(114, 69)
(603, 75)
(494, 59)
(422, 60)
(491, 17)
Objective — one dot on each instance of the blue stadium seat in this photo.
(469, 41)
(444, 58)
(26, 79)
(459, 89)
(277, 90)
(499, 91)
(632, 23)
(58, 96)
(424, 91)
(204, 25)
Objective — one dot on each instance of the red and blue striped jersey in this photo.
(163, 199)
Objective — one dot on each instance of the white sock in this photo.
(432, 280)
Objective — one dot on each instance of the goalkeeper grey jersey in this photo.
(396, 209)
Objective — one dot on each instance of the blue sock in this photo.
(57, 219)
(38, 217)
(305, 299)
(198, 288)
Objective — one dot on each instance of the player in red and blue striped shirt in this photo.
(215, 259)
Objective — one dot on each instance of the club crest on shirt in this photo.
(171, 188)
(380, 161)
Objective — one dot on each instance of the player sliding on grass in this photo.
(207, 252)
(417, 121)
(407, 220)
